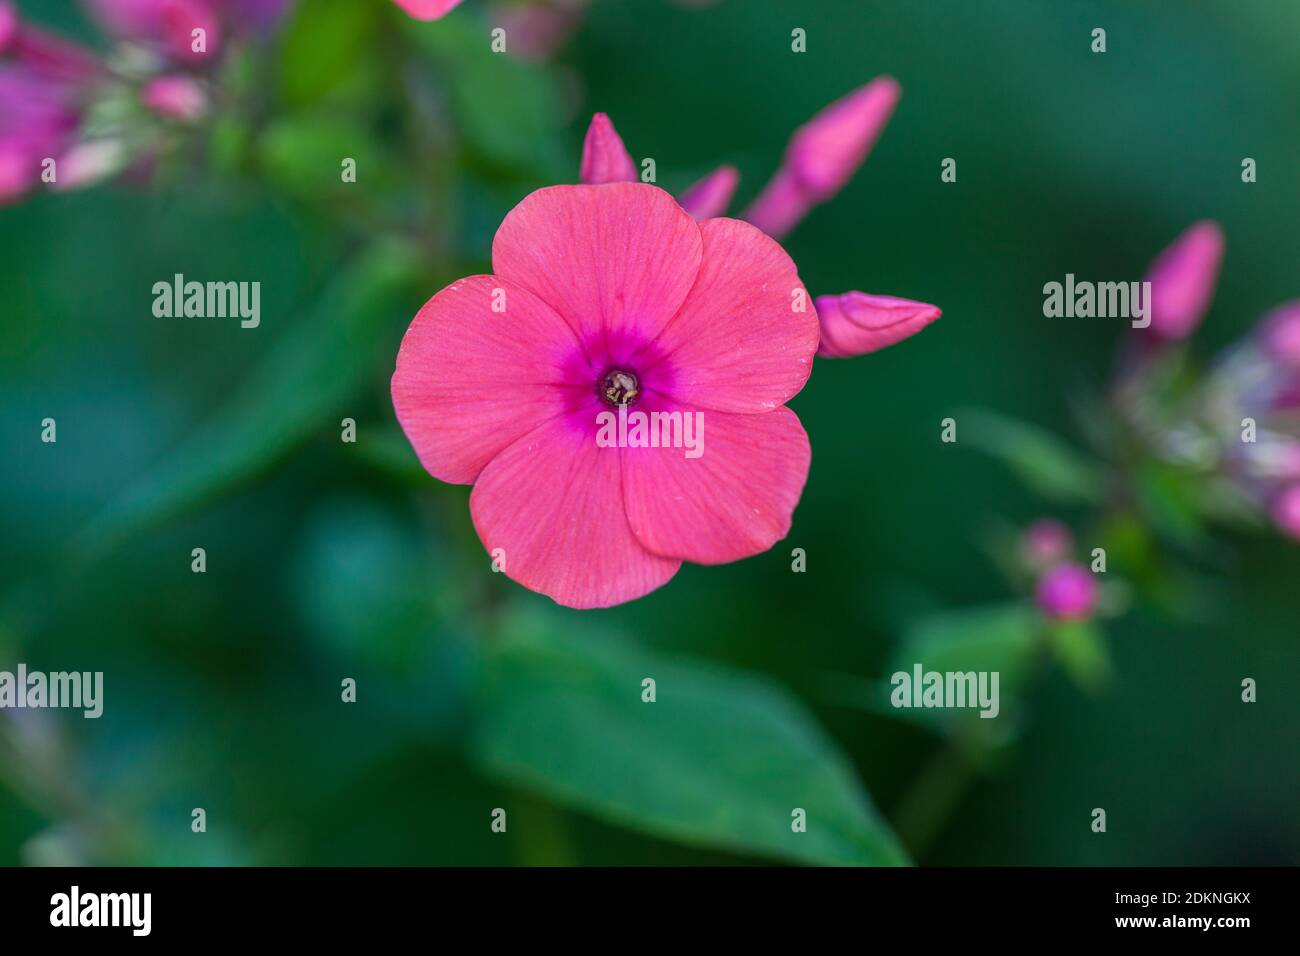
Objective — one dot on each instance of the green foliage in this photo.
(300, 388)
(1042, 461)
(323, 45)
(721, 758)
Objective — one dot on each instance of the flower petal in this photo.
(604, 157)
(712, 194)
(470, 380)
(616, 261)
(856, 323)
(1182, 280)
(734, 500)
(553, 503)
(739, 343)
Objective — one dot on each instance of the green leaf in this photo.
(720, 759)
(1004, 639)
(1080, 646)
(1041, 460)
(1001, 637)
(306, 379)
(322, 45)
(302, 154)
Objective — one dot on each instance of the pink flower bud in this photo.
(428, 9)
(1067, 592)
(856, 323)
(1286, 511)
(1280, 335)
(1045, 543)
(88, 163)
(823, 155)
(1182, 280)
(604, 157)
(712, 194)
(175, 96)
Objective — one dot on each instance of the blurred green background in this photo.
(327, 560)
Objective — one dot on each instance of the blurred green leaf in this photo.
(304, 382)
(367, 585)
(1042, 461)
(322, 46)
(721, 759)
(1004, 639)
(508, 111)
(1080, 646)
(1170, 499)
(1001, 637)
(303, 155)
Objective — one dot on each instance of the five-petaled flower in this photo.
(612, 294)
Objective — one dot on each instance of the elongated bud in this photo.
(856, 323)
(711, 196)
(823, 155)
(1182, 280)
(604, 157)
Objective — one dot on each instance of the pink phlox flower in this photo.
(607, 299)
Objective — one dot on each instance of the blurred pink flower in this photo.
(1067, 592)
(1286, 511)
(38, 121)
(823, 155)
(176, 96)
(1280, 335)
(168, 24)
(1045, 543)
(607, 296)
(1182, 280)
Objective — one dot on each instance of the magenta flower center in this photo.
(619, 387)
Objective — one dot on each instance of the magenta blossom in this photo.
(1067, 592)
(602, 298)
(188, 32)
(609, 300)
(44, 83)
